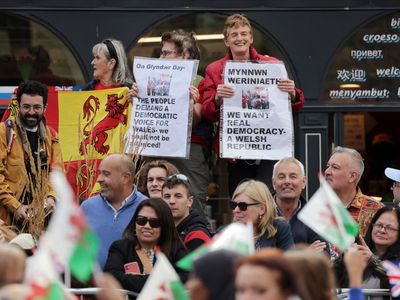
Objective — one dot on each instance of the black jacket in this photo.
(123, 252)
(193, 231)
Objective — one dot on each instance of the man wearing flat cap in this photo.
(394, 174)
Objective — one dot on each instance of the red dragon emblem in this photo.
(98, 135)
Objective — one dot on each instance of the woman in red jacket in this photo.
(238, 37)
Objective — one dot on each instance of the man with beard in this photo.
(27, 150)
(110, 212)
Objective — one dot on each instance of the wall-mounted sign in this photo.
(367, 68)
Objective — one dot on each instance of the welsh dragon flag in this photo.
(163, 283)
(236, 237)
(67, 243)
(68, 237)
(90, 125)
(326, 215)
(43, 278)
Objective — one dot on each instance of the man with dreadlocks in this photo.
(28, 148)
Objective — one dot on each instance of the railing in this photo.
(84, 293)
(369, 294)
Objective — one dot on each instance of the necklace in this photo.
(149, 253)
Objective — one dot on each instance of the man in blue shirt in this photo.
(288, 180)
(109, 213)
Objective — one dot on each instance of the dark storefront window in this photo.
(30, 51)
(364, 79)
(208, 28)
(367, 67)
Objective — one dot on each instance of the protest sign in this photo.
(161, 119)
(257, 121)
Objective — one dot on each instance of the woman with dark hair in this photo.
(151, 229)
(212, 276)
(381, 243)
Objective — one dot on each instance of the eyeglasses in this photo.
(142, 220)
(242, 205)
(27, 107)
(386, 228)
(179, 177)
(165, 53)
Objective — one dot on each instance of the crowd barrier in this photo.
(89, 293)
(369, 294)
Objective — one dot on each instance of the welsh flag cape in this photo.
(90, 125)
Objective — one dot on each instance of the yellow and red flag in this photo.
(90, 125)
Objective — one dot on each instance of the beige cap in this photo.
(24, 240)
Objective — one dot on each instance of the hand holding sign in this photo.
(287, 85)
(224, 91)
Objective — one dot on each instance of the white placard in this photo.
(257, 121)
(161, 120)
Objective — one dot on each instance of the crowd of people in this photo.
(165, 209)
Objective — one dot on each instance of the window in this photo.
(367, 67)
(208, 28)
(30, 51)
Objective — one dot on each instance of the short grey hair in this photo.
(288, 160)
(121, 73)
(357, 159)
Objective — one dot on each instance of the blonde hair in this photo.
(313, 263)
(234, 21)
(12, 259)
(121, 72)
(259, 192)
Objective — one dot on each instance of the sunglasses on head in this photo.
(242, 205)
(178, 176)
(142, 220)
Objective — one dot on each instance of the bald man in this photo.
(109, 213)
